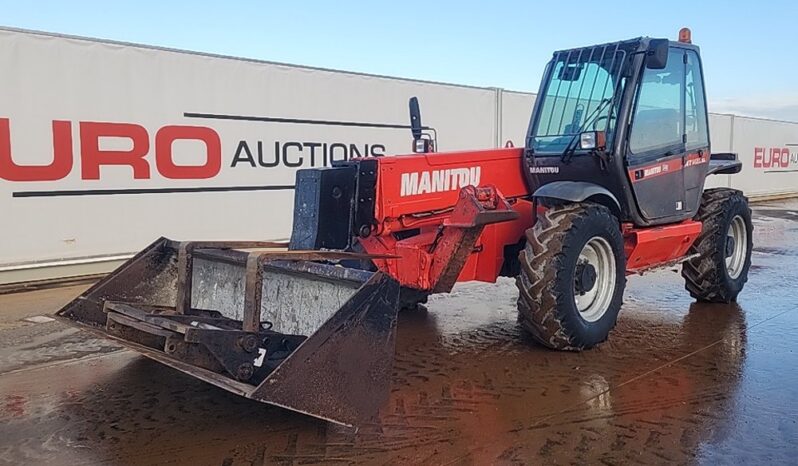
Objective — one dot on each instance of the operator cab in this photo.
(623, 124)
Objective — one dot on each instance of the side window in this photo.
(696, 122)
(659, 113)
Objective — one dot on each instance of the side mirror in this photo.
(657, 54)
(415, 119)
(423, 143)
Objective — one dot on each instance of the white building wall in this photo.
(769, 151)
(720, 132)
(516, 110)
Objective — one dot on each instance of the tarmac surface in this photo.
(678, 382)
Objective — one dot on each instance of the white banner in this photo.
(104, 147)
(769, 151)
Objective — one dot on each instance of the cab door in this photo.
(656, 150)
(697, 133)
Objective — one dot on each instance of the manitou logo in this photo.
(436, 181)
(655, 170)
(549, 170)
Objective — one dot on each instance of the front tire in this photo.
(723, 248)
(573, 274)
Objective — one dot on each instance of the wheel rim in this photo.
(736, 246)
(593, 303)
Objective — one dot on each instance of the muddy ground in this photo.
(678, 382)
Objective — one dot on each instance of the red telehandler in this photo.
(610, 182)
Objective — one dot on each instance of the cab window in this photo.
(696, 119)
(658, 121)
(578, 96)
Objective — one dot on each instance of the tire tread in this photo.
(541, 262)
(704, 275)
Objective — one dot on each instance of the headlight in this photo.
(592, 140)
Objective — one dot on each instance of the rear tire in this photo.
(562, 303)
(720, 270)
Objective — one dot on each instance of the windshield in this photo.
(579, 96)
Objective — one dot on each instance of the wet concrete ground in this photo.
(678, 382)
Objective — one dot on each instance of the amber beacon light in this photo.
(685, 36)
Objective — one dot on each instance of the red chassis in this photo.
(445, 230)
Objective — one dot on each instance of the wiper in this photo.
(570, 148)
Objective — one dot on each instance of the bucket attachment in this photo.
(274, 326)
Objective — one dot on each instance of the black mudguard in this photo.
(725, 163)
(578, 191)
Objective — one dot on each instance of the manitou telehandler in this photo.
(610, 182)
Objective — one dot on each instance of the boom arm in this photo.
(413, 191)
(427, 212)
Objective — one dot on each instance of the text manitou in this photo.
(436, 181)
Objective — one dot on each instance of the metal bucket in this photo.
(274, 326)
